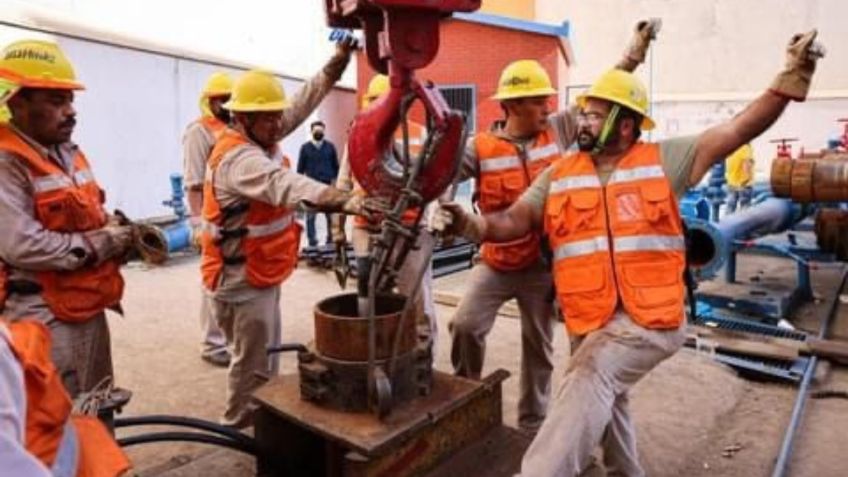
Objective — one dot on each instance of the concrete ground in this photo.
(686, 411)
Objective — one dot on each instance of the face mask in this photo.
(318, 135)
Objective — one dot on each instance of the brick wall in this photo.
(471, 53)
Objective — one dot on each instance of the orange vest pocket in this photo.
(80, 294)
(655, 294)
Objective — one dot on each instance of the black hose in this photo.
(187, 437)
(285, 347)
(189, 422)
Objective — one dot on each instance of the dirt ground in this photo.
(687, 411)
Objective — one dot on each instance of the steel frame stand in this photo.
(767, 302)
(297, 437)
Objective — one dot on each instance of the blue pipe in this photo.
(694, 205)
(177, 195)
(177, 236)
(714, 192)
(711, 243)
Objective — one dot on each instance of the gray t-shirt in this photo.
(677, 156)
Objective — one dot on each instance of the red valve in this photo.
(784, 149)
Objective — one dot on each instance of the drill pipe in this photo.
(823, 179)
(710, 243)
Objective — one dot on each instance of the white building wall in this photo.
(712, 57)
(135, 107)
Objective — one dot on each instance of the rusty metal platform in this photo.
(301, 438)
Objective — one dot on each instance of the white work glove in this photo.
(451, 219)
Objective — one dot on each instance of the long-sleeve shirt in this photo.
(318, 161)
(25, 245)
(198, 141)
(249, 173)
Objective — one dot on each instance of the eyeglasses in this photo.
(591, 117)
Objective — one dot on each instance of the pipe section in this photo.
(820, 179)
(710, 243)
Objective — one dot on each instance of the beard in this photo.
(586, 141)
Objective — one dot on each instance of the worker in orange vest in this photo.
(249, 236)
(62, 255)
(39, 436)
(611, 214)
(200, 137)
(504, 162)
(363, 229)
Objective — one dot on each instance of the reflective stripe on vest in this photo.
(636, 174)
(649, 243)
(577, 182)
(68, 202)
(582, 247)
(254, 230)
(619, 243)
(270, 242)
(271, 228)
(504, 176)
(61, 181)
(513, 161)
(636, 243)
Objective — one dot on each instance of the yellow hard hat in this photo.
(37, 64)
(377, 87)
(255, 91)
(5, 114)
(622, 88)
(523, 79)
(218, 84)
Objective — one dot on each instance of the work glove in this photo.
(108, 242)
(365, 206)
(451, 219)
(444, 238)
(336, 200)
(644, 32)
(801, 57)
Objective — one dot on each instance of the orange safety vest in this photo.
(269, 241)
(89, 448)
(417, 136)
(505, 173)
(619, 242)
(69, 203)
(214, 125)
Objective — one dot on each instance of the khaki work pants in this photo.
(80, 351)
(488, 289)
(407, 276)
(591, 404)
(212, 339)
(250, 327)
